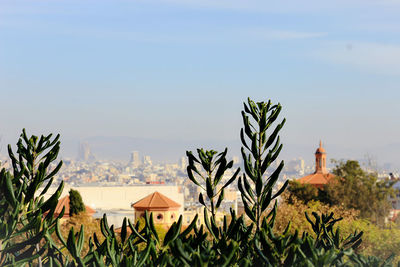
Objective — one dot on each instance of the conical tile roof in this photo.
(156, 201)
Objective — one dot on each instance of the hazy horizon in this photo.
(118, 148)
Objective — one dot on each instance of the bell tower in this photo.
(320, 160)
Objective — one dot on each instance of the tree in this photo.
(303, 192)
(357, 189)
(76, 205)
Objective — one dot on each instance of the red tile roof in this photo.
(321, 176)
(156, 201)
(64, 202)
(316, 179)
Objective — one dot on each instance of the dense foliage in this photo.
(27, 235)
(355, 188)
(352, 188)
(27, 221)
(90, 224)
(76, 205)
(377, 241)
(291, 209)
(304, 192)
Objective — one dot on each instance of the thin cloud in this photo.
(374, 58)
(283, 34)
(379, 27)
(284, 6)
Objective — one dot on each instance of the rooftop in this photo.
(155, 201)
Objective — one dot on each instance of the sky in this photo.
(181, 70)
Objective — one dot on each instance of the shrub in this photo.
(303, 192)
(377, 241)
(76, 204)
(91, 226)
(291, 210)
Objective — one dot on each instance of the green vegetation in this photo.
(26, 221)
(212, 167)
(352, 188)
(358, 197)
(91, 226)
(376, 241)
(291, 210)
(263, 150)
(357, 189)
(303, 192)
(76, 205)
(30, 238)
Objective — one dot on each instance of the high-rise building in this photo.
(183, 163)
(135, 159)
(295, 165)
(84, 153)
(147, 160)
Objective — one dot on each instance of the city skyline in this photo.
(117, 149)
(179, 71)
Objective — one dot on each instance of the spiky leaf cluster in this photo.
(209, 178)
(27, 219)
(262, 150)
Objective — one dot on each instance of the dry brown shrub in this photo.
(90, 224)
(294, 213)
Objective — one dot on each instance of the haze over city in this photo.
(174, 74)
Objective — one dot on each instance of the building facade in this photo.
(165, 211)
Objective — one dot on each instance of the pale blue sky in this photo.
(181, 69)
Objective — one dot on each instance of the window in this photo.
(159, 217)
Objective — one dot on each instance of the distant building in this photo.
(321, 176)
(190, 213)
(147, 161)
(295, 166)
(135, 159)
(85, 154)
(155, 182)
(183, 163)
(165, 210)
(395, 200)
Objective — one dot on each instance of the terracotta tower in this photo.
(320, 160)
(321, 176)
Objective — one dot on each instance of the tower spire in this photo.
(320, 159)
